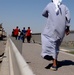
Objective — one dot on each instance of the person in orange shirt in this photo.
(28, 34)
(16, 30)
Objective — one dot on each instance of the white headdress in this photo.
(57, 3)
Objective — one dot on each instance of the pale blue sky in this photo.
(24, 13)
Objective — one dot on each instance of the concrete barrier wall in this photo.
(18, 65)
(68, 41)
(18, 43)
(15, 66)
(36, 38)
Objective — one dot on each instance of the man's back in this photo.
(56, 21)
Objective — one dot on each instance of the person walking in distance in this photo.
(58, 24)
(19, 34)
(28, 34)
(23, 33)
(16, 30)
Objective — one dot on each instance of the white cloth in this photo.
(54, 30)
(50, 47)
(57, 4)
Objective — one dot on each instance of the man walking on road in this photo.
(16, 30)
(58, 23)
(23, 34)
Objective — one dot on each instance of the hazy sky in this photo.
(24, 13)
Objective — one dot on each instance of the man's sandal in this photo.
(54, 68)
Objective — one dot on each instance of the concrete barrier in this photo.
(18, 65)
(68, 41)
(18, 43)
(36, 37)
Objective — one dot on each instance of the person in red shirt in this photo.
(28, 34)
(16, 30)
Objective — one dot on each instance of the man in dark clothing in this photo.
(23, 34)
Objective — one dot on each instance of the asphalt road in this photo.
(32, 54)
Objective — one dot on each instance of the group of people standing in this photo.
(22, 34)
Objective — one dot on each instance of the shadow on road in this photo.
(65, 63)
(61, 63)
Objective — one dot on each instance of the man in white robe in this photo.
(58, 23)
